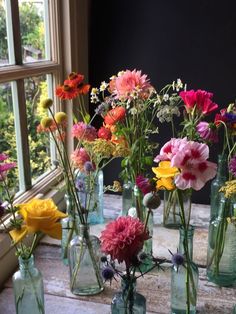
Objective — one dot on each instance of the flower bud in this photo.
(151, 200)
(46, 122)
(46, 103)
(60, 117)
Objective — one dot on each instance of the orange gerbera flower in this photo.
(115, 115)
(83, 88)
(74, 79)
(67, 91)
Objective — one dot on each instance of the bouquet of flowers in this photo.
(36, 217)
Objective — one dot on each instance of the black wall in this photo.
(191, 40)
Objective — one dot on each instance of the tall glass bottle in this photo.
(217, 183)
(28, 288)
(127, 197)
(91, 195)
(128, 301)
(84, 261)
(221, 254)
(179, 275)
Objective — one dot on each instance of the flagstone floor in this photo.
(154, 286)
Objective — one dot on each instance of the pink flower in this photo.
(83, 131)
(201, 99)
(79, 158)
(5, 166)
(130, 84)
(104, 133)
(123, 239)
(144, 184)
(207, 131)
(195, 170)
(171, 148)
(232, 165)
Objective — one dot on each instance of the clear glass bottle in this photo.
(91, 195)
(128, 301)
(68, 229)
(127, 198)
(28, 288)
(221, 254)
(217, 183)
(85, 263)
(179, 275)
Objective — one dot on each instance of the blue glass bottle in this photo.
(28, 288)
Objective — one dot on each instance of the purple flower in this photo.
(231, 117)
(207, 131)
(80, 185)
(108, 273)
(101, 109)
(88, 166)
(232, 165)
(144, 184)
(177, 259)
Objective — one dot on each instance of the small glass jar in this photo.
(85, 263)
(128, 301)
(28, 288)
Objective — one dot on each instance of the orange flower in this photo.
(74, 79)
(115, 115)
(67, 91)
(83, 88)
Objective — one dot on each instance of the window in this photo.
(29, 71)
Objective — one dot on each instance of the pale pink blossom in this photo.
(83, 131)
(207, 131)
(79, 158)
(171, 148)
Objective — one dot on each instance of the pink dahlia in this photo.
(207, 131)
(83, 131)
(194, 168)
(79, 158)
(232, 165)
(130, 84)
(123, 239)
(171, 148)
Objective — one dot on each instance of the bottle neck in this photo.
(69, 202)
(83, 230)
(128, 287)
(186, 235)
(222, 168)
(26, 264)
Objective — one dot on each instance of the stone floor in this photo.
(154, 286)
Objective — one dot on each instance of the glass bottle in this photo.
(128, 301)
(221, 254)
(91, 195)
(178, 278)
(68, 229)
(85, 262)
(171, 209)
(28, 288)
(127, 197)
(217, 183)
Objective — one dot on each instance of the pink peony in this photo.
(79, 158)
(195, 170)
(207, 131)
(171, 148)
(83, 131)
(123, 239)
(130, 84)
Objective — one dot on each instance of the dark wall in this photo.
(191, 40)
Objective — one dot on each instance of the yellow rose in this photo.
(165, 175)
(39, 216)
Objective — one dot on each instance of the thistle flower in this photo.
(88, 166)
(108, 273)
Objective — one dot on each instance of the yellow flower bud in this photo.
(46, 103)
(46, 122)
(60, 117)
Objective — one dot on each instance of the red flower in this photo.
(189, 98)
(104, 133)
(144, 184)
(83, 89)
(67, 91)
(220, 117)
(74, 79)
(115, 115)
(123, 239)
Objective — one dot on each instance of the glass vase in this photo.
(127, 198)
(181, 274)
(28, 288)
(217, 183)
(90, 193)
(68, 228)
(85, 263)
(128, 301)
(171, 209)
(221, 254)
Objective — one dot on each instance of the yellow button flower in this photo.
(39, 216)
(165, 175)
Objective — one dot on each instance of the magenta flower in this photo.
(144, 184)
(207, 131)
(5, 166)
(232, 165)
(83, 131)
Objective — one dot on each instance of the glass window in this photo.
(4, 60)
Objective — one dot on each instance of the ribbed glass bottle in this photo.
(85, 263)
(178, 278)
(28, 288)
(128, 301)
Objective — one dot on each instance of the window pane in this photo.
(36, 89)
(34, 25)
(8, 136)
(3, 35)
